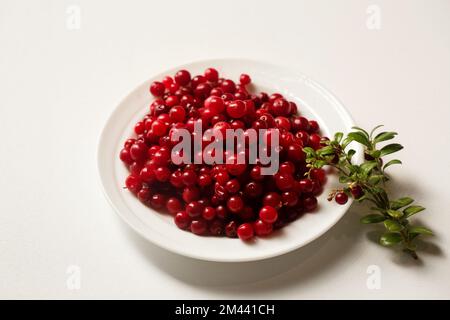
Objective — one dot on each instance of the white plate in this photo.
(314, 102)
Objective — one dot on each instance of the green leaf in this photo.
(390, 163)
(338, 136)
(392, 225)
(401, 202)
(372, 218)
(390, 238)
(375, 129)
(364, 132)
(374, 153)
(395, 214)
(420, 230)
(390, 148)
(319, 164)
(344, 179)
(325, 151)
(411, 210)
(384, 136)
(367, 166)
(375, 179)
(359, 137)
(351, 153)
(310, 152)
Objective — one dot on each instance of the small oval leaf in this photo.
(395, 214)
(390, 163)
(392, 225)
(372, 218)
(420, 230)
(411, 210)
(390, 148)
(401, 202)
(390, 238)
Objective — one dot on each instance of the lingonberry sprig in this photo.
(365, 182)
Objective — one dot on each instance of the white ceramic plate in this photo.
(314, 102)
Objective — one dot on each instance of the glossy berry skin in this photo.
(244, 79)
(209, 213)
(272, 199)
(198, 227)
(182, 220)
(236, 109)
(284, 182)
(319, 175)
(341, 198)
(157, 88)
(177, 114)
(174, 205)
(211, 74)
(182, 77)
(357, 192)
(133, 183)
(157, 201)
(215, 104)
(262, 228)
(245, 231)
(194, 209)
(306, 185)
(235, 204)
(268, 214)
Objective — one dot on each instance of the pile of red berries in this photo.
(222, 199)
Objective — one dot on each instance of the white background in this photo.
(58, 86)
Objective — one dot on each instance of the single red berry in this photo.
(174, 205)
(245, 231)
(182, 220)
(177, 114)
(198, 227)
(357, 192)
(235, 204)
(341, 198)
(313, 126)
(194, 209)
(209, 213)
(236, 109)
(306, 185)
(272, 199)
(268, 214)
(289, 198)
(144, 195)
(245, 79)
(125, 156)
(211, 75)
(228, 86)
(133, 183)
(157, 88)
(158, 201)
(262, 228)
(284, 182)
(215, 104)
(182, 77)
(319, 175)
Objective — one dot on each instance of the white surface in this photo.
(58, 86)
(315, 103)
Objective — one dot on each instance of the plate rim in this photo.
(343, 111)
